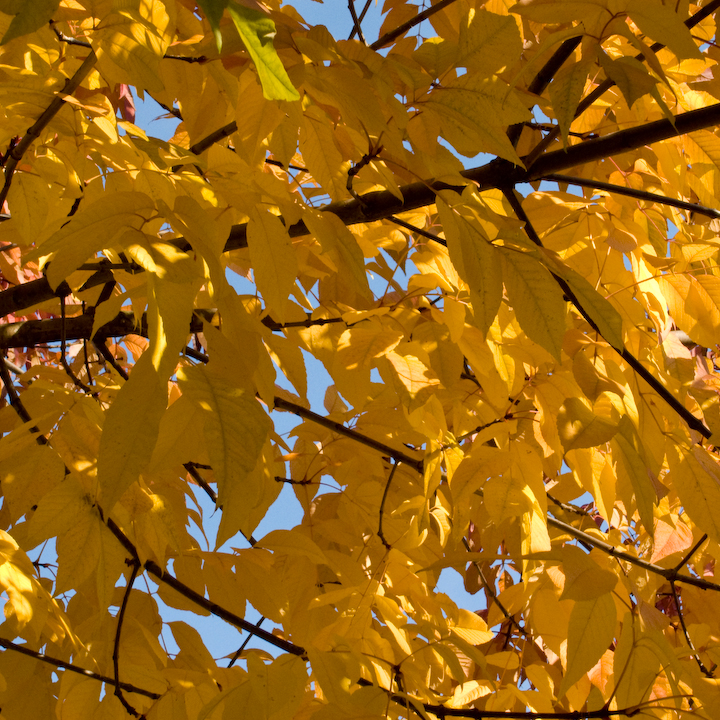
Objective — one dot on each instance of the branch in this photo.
(380, 532)
(360, 19)
(221, 612)
(388, 37)
(8, 645)
(631, 192)
(340, 429)
(17, 404)
(379, 205)
(667, 573)
(33, 132)
(606, 84)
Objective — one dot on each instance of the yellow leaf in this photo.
(536, 299)
(584, 578)
(468, 692)
(471, 628)
(696, 478)
(457, 105)
(567, 88)
(130, 431)
(661, 23)
(590, 632)
(579, 427)
(28, 201)
(235, 428)
(273, 260)
(93, 228)
(477, 262)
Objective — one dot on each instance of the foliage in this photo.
(523, 380)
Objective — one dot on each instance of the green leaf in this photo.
(213, 10)
(257, 32)
(29, 17)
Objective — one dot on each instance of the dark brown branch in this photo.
(102, 348)
(8, 645)
(360, 19)
(229, 617)
(116, 645)
(667, 573)
(17, 404)
(633, 193)
(201, 145)
(340, 429)
(379, 205)
(388, 37)
(33, 132)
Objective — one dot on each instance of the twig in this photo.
(633, 193)
(388, 37)
(229, 617)
(17, 404)
(688, 639)
(380, 533)
(340, 429)
(63, 359)
(102, 348)
(116, 645)
(360, 19)
(237, 654)
(417, 230)
(9, 645)
(33, 132)
(690, 553)
(490, 590)
(357, 28)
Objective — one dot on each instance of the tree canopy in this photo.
(495, 225)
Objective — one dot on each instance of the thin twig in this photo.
(33, 132)
(688, 639)
(690, 553)
(63, 358)
(9, 645)
(116, 645)
(380, 533)
(340, 429)
(388, 37)
(17, 404)
(633, 193)
(360, 19)
(102, 348)
(237, 654)
(356, 22)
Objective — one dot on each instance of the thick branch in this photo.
(381, 204)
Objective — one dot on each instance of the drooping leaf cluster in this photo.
(496, 227)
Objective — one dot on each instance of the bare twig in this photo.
(340, 429)
(237, 654)
(380, 533)
(357, 28)
(116, 645)
(9, 645)
(33, 132)
(633, 193)
(361, 17)
(678, 604)
(388, 37)
(17, 404)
